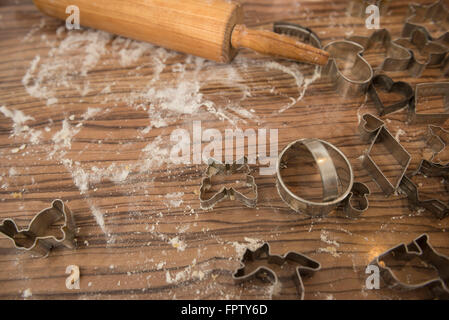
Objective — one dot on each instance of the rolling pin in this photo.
(212, 29)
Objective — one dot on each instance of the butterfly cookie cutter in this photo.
(421, 249)
(303, 267)
(38, 237)
(217, 168)
(357, 73)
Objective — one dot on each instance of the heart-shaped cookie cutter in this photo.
(385, 83)
(357, 74)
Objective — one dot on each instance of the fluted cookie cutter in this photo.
(421, 249)
(438, 208)
(385, 83)
(423, 93)
(372, 128)
(305, 34)
(397, 57)
(217, 168)
(336, 176)
(39, 237)
(303, 267)
(425, 52)
(350, 73)
(437, 140)
(436, 13)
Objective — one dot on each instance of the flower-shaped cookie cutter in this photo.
(425, 52)
(350, 73)
(397, 57)
(436, 13)
(217, 168)
(39, 237)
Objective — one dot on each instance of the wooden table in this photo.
(87, 118)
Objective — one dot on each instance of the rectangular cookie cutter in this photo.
(424, 90)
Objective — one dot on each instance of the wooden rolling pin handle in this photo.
(277, 45)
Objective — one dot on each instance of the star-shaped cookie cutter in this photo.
(419, 248)
(419, 44)
(217, 168)
(38, 236)
(438, 208)
(358, 73)
(397, 57)
(304, 267)
(436, 13)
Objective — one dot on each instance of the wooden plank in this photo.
(99, 113)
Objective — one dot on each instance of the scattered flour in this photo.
(178, 244)
(251, 244)
(27, 293)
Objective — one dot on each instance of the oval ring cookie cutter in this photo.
(337, 176)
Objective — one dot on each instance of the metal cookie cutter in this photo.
(423, 92)
(436, 13)
(38, 237)
(421, 249)
(385, 83)
(335, 170)
(374, 128)
(438, 208)
(303, 267)
(425, 53)
(217, 168)
(305, 34)
(437, 140)
(357, 73)
(397, 57)
(356, 203)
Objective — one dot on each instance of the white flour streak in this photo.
(19, 127)
(63, 138)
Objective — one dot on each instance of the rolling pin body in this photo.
(202, 28)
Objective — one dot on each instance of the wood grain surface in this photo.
(86, 117)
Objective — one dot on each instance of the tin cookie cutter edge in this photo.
(421, 248)
(214, 168)
(372, 128)
(39, 225)
(306, 268)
